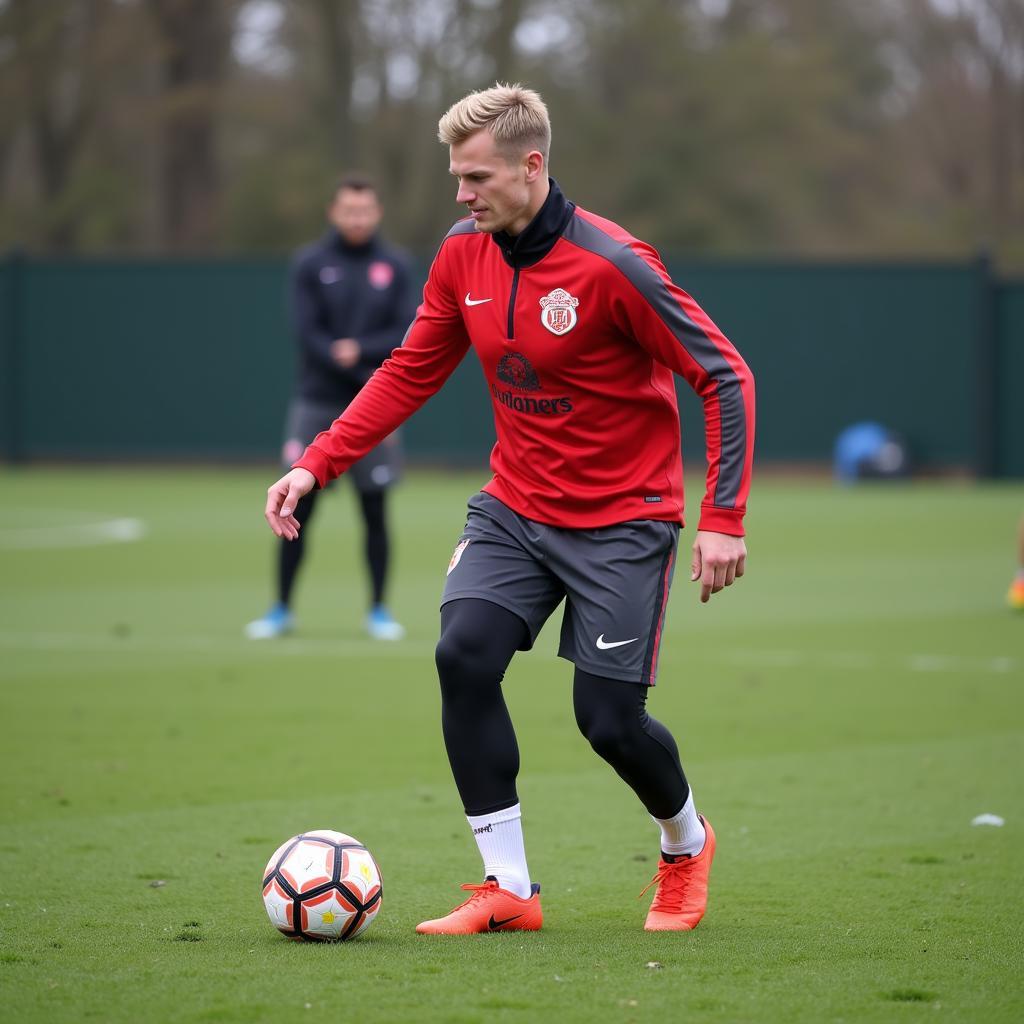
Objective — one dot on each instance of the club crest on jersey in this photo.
(558, 311)
(380, 274)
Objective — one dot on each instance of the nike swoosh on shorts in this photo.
(603, 645)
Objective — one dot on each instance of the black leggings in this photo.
(375, 544)
(477, 642)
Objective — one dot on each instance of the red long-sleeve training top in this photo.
(578, 329)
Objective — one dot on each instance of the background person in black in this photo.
(351, 303)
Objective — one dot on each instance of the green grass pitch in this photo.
(844, 713)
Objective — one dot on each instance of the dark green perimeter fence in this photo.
(171, 360)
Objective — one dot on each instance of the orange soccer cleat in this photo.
(489, 909)
(1015, 595)
(682, 895)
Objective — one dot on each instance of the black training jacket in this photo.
(339, 290)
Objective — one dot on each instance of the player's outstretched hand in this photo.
(718, 559)
(282, 497)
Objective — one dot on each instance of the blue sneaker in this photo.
(277, 622)
(381, 626)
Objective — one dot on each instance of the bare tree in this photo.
(195, 40)
(967, 107)
(339, 24)
(54, 50)
(499, 42)
(799, 126)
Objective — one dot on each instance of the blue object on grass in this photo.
(869, 451)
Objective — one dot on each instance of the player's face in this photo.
(356, 214)
(494, 187)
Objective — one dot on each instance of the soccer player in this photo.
(579, 331)
(1015, 595)
(351, 302)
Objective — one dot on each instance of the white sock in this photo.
(682, 835)
(499, 837)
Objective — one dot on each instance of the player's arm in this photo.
(307, 312)
(676, 332)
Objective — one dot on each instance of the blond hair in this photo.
(514, 115)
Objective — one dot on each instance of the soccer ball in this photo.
(322, 885)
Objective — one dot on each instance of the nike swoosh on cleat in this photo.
(606, 645)
(475, 302)
(492, 924)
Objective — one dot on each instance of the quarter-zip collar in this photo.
(340, 244)
(536, 240)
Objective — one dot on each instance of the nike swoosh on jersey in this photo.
(607, 645)
(492, 924)
(474, 302)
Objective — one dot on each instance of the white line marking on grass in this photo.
(104, 641)
(957, 663)
(930, 663)
(859, 661)
(73, 535)
(989, 819)
(101, 641)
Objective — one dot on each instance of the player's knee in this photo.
(450, 656)
(462, 657)
(611, 737)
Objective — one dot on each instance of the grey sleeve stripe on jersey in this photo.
(693, 339)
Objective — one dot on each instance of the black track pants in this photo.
(375, 545)
(375, 541)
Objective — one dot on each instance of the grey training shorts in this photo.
(615, 581)
(375, 471)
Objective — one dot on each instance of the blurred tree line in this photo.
(768, 127)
